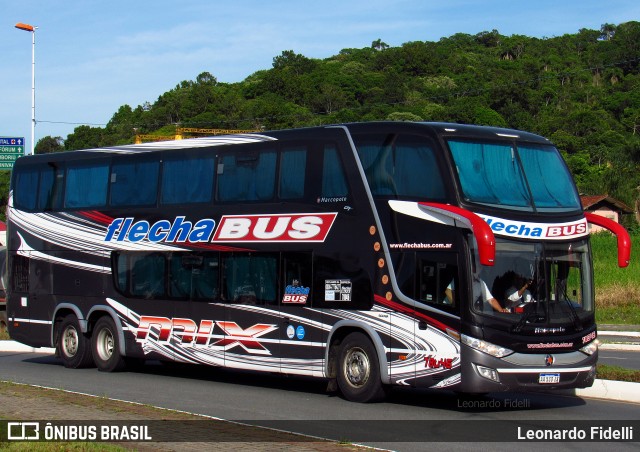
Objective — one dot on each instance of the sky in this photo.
(92, 57)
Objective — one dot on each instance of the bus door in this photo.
(301, 329)
(432, 354)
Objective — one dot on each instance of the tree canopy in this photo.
(580, 90)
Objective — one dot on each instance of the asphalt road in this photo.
(626, 359)
(407, 421)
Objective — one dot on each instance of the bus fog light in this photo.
(488, 373)
(590, 348)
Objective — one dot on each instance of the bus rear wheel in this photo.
(359, 370)
(72, 345)
(106, 346)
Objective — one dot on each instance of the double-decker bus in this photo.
(369, 254)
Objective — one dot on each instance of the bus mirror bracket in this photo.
(624, 241)
(481, 230)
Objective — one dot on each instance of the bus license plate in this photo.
(549, 378)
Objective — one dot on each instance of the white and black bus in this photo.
(374, 254)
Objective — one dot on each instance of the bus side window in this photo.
(25, 190)
(247, 176)
(86, 185)
(193, 276)
(197, 187)
(437, 284)
(249, 278)
(293, 163)
(334, 181)
(134, 183)
(147, 275)
(51, 186)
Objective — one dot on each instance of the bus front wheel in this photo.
(358, 370)
(73, 346)
(105, 346)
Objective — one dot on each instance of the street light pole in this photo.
(32, 30)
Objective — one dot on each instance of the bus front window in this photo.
(538, 285)
(515, 176)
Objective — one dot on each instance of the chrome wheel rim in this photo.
(70, 341)
(104, 344)
(357, 367)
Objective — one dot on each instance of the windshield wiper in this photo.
(575, 318)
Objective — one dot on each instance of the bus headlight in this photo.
(485, 347)
(590, 348)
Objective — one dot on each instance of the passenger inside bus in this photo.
(482, 296)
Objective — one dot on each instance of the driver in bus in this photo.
(518, 292)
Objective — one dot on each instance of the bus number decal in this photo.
(274, 228)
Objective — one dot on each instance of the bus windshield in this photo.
(519, 177)
(539, 285)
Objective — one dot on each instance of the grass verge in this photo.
(606, 372)
(19, 402)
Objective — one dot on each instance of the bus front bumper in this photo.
(483, 373)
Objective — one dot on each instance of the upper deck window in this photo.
(293, 162)
(187, 180)
(134, 183)
(247, 176)
(400, 166)
(86, 185)
(25, 194)
(527, 177)
(334, 181)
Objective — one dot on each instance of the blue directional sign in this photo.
(10, 149)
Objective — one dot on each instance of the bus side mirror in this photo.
(624, 241)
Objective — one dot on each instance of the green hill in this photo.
(580, 90)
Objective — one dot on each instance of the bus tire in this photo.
(72, 345)
(106, 346)
(359, 370)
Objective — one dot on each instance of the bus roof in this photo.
(440, 129)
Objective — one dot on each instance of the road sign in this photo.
(10, 149)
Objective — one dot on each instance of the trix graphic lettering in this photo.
(276, 228)
(189, 333)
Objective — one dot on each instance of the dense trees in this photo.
(581, 90)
